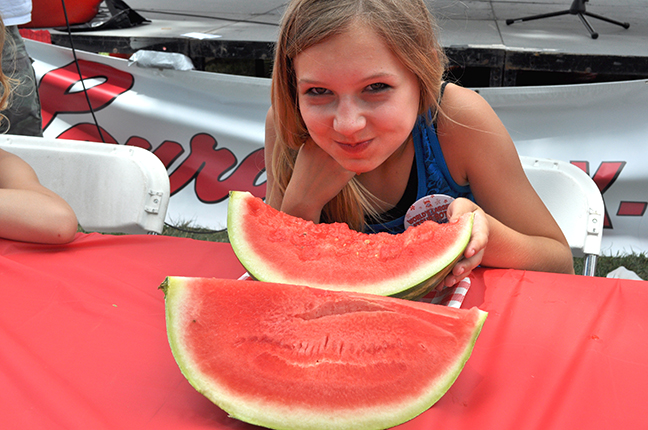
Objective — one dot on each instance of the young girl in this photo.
(362, 125)
(29, 212)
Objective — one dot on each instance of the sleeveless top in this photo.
(430, 175)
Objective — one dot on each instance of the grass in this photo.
(199, 233)
(638, 263)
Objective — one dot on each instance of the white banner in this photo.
(601, 128)
(208, 129)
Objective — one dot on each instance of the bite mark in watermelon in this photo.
(276, 247)
(293, 357)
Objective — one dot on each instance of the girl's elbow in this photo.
(67, 235)
(65, 227)
(566, 262)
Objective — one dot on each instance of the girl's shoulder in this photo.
(466, 117)
(460, 103)
(470, 133)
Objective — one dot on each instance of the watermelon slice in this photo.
(276, 247)
(293, 357)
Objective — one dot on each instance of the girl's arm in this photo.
(316, 179)
(29, 212)
(514, 229)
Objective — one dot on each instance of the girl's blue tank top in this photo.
(433, 176)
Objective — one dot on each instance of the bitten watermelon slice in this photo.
(294, 357)
(276, 247)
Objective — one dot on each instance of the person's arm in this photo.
(316, 179)
(29, 212)
(514, 229)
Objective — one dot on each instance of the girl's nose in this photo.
(349, 117)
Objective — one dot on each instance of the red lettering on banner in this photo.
(607, 173)
(632, 208)
(168, 151)
(139, 142)
(55, 87)
(605, 176)
(211, 169)
(583, 165)
(87, 131)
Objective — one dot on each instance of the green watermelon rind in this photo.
(252, 411)
(417, 283)
(175, 292)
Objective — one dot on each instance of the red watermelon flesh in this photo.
(293, 357)
(276, 247)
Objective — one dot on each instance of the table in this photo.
(83, 343)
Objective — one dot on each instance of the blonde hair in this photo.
(5, 82)
(406, 27)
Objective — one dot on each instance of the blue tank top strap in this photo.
(433, 174)
(432, 170)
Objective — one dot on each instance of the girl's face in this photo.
(358, 101)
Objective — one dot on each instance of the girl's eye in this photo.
(317, 91)
(377, 87)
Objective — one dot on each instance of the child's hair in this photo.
(407, 28)
(5, 81)
(4, 84)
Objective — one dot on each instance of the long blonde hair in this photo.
(5, 82)
(407, 28)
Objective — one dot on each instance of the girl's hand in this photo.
(317, 178)
(474, 252)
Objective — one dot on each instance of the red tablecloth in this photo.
(83, 344)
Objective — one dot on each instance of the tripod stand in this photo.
(577, 8)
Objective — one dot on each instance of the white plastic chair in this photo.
(575, 202)
(112, 188)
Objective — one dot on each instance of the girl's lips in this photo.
(354, 148)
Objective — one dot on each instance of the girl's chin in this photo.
(358, 165)
(357, 168)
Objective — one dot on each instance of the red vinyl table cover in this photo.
(83, 343)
